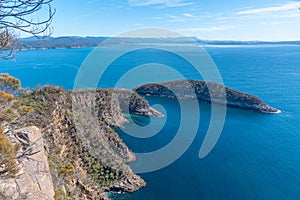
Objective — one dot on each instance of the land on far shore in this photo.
(82, 42)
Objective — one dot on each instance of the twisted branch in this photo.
(24, 16)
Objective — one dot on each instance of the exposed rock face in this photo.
(100, 155)
(106, 106)
(130, 182)
(34, 179)
(208, 92)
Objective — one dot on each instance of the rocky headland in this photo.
(61, 144)
(208, 92)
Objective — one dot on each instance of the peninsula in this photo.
(208, 92)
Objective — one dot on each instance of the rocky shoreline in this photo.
(208, 92)
(86, 158)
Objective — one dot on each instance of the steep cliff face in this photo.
(209, 92)
(33, 180)
(86, 157)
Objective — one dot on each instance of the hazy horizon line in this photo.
(233, 40)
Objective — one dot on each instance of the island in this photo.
(207, 92)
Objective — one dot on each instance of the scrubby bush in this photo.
(8, 152)
(10, 85)
(67, 169)
(10, 81)
(6, 96)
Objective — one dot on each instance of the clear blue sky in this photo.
(205, 19)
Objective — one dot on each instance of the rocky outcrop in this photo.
(208, 92)
(34, 179)
(107, 107)
(128, 183)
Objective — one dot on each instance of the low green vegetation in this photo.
(60, 194)
(67, 169)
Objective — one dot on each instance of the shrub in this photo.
(6, 96)
(10, 81)
(67, 169)
(26, 109)
(8, 152)
(59, 194)
(8, 114)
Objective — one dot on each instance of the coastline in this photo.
(92, 149)
(95, 156)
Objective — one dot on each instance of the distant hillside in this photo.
(80, 42)
(232, 42)
(59, 42)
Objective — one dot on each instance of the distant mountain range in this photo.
(81, 42)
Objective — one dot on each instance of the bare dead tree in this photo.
(29, 16)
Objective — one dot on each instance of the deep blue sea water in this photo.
(257, 155)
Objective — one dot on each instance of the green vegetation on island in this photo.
(208, 92)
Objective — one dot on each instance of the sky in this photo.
(269, 20)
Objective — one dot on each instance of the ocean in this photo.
(257, 155)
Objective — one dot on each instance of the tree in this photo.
(29, 16)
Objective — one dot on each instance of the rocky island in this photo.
(208, 92)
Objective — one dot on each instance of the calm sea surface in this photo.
(257, 155)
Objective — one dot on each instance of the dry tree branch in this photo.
(19, 16)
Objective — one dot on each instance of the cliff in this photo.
(33, 180)
(86, 157)
(208, 92)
